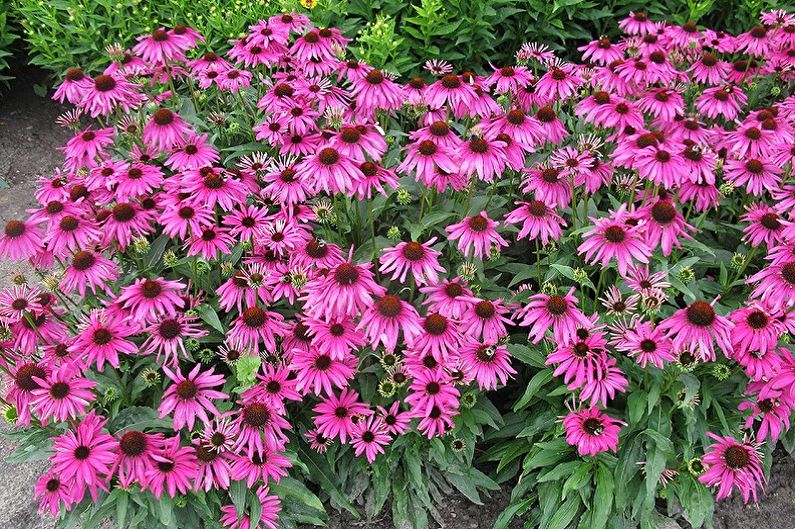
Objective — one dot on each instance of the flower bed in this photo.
(277, 278)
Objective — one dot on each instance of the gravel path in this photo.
(29, 139)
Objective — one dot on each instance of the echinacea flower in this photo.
(20, 240)
(369, 437)
(135, 459)
(697, 326)
(476, 235)
(55, 494)
(173, 470)
(336, 415)
(191, 396)
(556, 313)
(63, 395)
(418, 258)
(613, 238)
(383, 321)
(487, 363)
(732, 464)
(591, 431)
(103, 337)
(269, 508)
(346, 290)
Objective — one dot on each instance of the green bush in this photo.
(65, 33)
(397, 35)
(6, 39)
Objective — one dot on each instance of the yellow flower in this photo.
(309, 4)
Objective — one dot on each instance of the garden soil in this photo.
(29, 138)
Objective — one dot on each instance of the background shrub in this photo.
(7, 37)
(397, 35)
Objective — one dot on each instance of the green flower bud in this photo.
(403, 197)
(469, 399)
(738, 261)
(685, 274)
(10, 414)
(393, 233)
(386, 388)
(192, 344)
(580, 275)
(458, 445)
(695, 466)
(721, 371)
(150, 377)
(170, 259)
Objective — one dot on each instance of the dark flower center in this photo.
(432, 388)
(757, 320)
(187, 389)
(485, 309)
(615, 234)
(169, 329)
(453, 290)
(770, 221)
(256, 415)
(83, 260)
(24, 377)
(478, 223)
(663, 212)
(736, 457)
(451, 81)
(413, 251)
(104, 83)
(163, 117)
(328, 156)
(346, 274)
(53, 485)
(701, 314)
(69, 223)
(389, 306)
(59, 390)
(427, 148)
(102, 336)
(323, 362)
(254, 317)
(150, 288)
(435, 324)
(375, 77)
(123, 212)
(82, 452)
(788, 273)
(133, 443)
(557, 305)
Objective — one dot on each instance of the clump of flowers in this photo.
(281, 262)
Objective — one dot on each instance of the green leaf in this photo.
(603, 498)
(318, 472)
(210, 317)
(536, 383)
(565, 514)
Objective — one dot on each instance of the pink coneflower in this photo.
(16, 301)
(161, 47)
(62, 395)
(89, 270)
(266, 465)
(374, 178)
(193, 153)
(440, 337)
(260, 426)
(317, 441)
(449, 90)
(20, 240)
(210, 242)
(275, 385)
(135, 456)
(55, 493)
(755, 174)
(102, 337)
(723, 102)
(167, 337)
(329, 170)
(485, 319)
(476, 232)
(108, 91)
(591, 431)
(646, 344)
(173, 470)
(86, 454)
(637, 23)
(613, 237)
(418, 258)
(549, 184)
(269, 509)
(486, 363)
(733, 464)
(283, 184)
(508, 79)
(148, 299)
(603, 383)
(219, 436)
(166, 129)
(369, 437)
(435, 421)
(601, 51)
(538, 220)
(72, 87)
(126, 221)
(384, 320)
(181, 218)
(432, 388)
(425, 157)
(346, 290)
(255, 325)
(376, 90)
(772, 414)
(191, 396)
(82, 149)
(482, 156)
(396, 421)
(776, 283)
(317, 372)
(559, 313)
(337, 338)
(214, 470)
(450, 298)
(664, 225)
(756, 328)
(338, 415)
(696, 326)
(560, 82)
